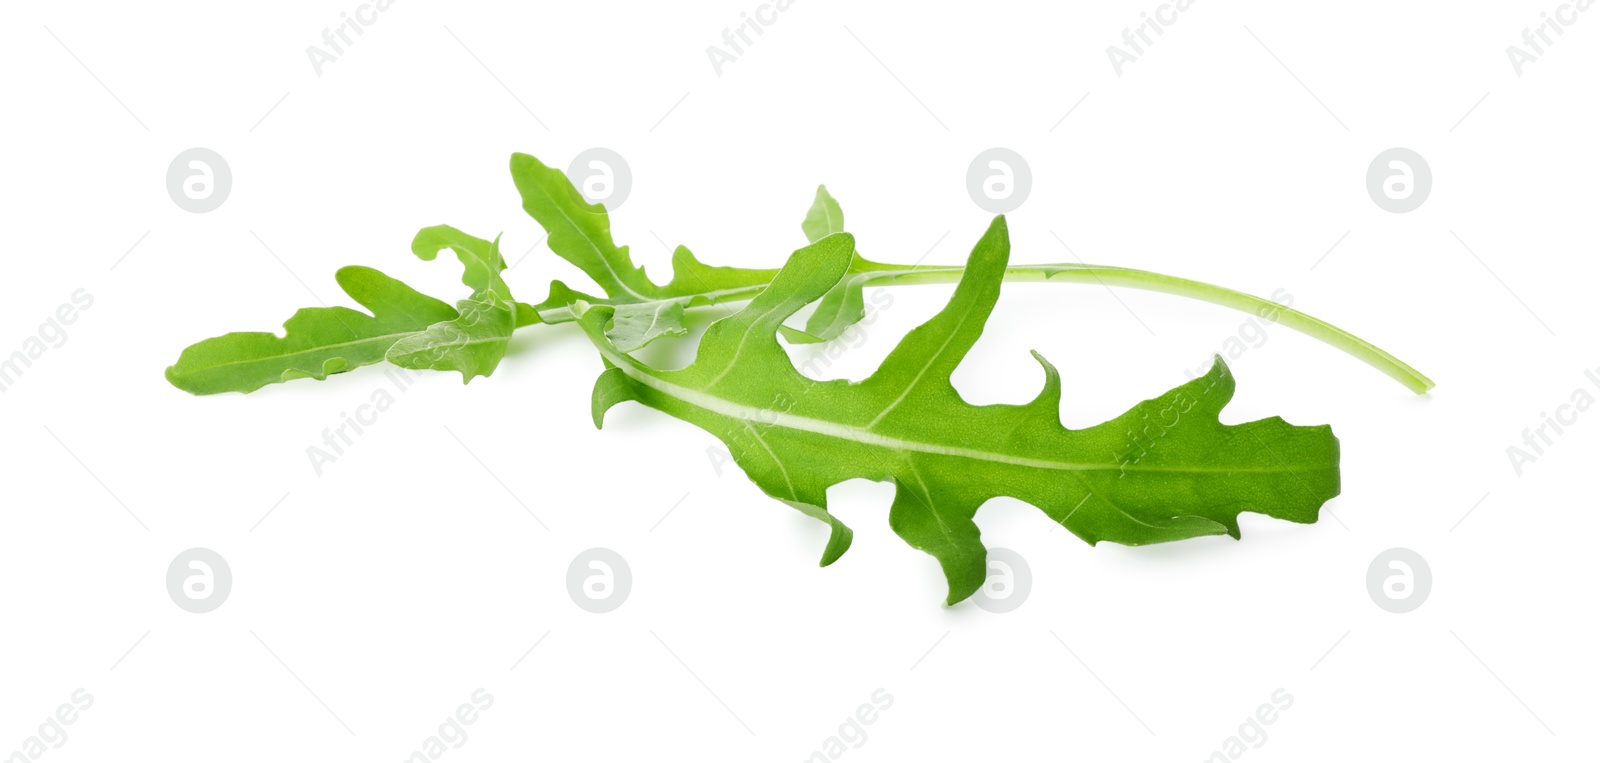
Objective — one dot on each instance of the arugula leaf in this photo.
(317, 341)
(407, 328)
(580, 233)
(1167, 469)
(843, 305)
(475, 340)
(824, 218)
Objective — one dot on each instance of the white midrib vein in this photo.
(747, 413)
(308, 351)
(915, 380)
(338, 345)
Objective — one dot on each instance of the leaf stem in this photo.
(1266, 309)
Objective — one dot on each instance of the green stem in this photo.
(887, 275)
(1316, 328)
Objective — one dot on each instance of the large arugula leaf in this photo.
(1167, 469)
(580, 233)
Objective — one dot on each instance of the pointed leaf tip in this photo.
(823, 218)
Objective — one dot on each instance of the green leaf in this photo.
(843, 305)
(580, 233)
(1167, 469)
(824, 218)
(317, 341)
(474, 341)
(481, 262)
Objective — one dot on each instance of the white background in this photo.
(374, 599)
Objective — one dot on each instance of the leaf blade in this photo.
(317, 341)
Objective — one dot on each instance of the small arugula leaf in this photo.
(317, 341)
(1167, 469)
(474, 341)
(580, 233)
(843, 305)
(824, 218)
